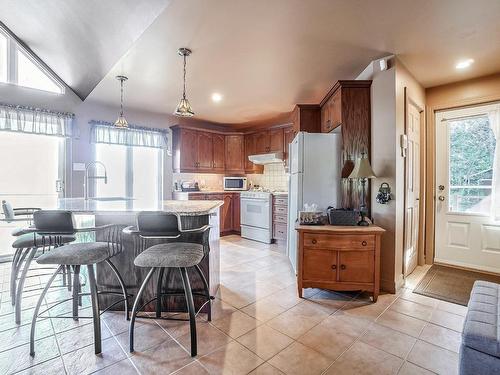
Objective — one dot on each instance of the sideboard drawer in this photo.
(340, 241)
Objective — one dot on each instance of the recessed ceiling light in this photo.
(216, 97)
(464, 64)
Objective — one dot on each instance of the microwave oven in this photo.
(235, 183)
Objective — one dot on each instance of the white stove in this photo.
(256, 215)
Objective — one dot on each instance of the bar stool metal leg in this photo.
(20, 286)
(122, 285)
(191, 310)
(76, 291)
(37, 310)
(95, 310)
(136, 306)
(158, 292)
(13, 274)
(207, 291)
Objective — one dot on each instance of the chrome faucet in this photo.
(88, 177)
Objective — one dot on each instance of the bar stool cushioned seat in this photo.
(480, 349)
(171, 255)
(28, 241)
(77, 254)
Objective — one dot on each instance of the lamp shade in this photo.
(362, 169)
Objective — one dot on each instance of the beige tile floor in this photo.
(259, 326)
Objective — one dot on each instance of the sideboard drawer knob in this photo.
(364, 243)
(314, 241)
(334, 266)
(343, 267)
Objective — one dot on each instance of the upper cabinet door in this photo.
(336, 109)
(325, 117)
(289, 135)
(218, 146)
(276, 140)
(262, 142)
(205, 150)
(234, 155)
(188, 149)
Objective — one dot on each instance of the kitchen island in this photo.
(194, 214)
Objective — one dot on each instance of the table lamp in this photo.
(362, 171)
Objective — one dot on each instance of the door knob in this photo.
(441, 198)
(343, 267)
(314, 241)
(441, 187)
(364, 243)
(334, 266)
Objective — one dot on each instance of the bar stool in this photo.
(168, 256)
(25, 250)
(50, 223)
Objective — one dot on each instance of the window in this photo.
(133, 172)
(22, 68)
(471, 150)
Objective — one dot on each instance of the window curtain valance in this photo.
(35, 121)
(106, 132)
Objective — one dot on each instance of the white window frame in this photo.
(13, 46)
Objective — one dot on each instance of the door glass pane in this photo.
(146, 181)
(29, 168)
(114, 157)
(471, 150)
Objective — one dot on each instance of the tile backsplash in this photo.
(273, 178)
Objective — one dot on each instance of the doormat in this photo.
(451, 284)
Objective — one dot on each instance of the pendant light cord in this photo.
(121, 97)
(184, 92)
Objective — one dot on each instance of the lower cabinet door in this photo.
(319, 265)
(356, 266)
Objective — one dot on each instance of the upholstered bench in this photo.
(480, 350)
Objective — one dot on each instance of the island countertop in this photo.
(183, 208)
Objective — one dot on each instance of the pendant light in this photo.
(121, 122)
(184, 108)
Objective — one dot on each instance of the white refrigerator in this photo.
(315, 173)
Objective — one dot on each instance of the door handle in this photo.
(441, 198)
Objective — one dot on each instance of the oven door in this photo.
(256, 212)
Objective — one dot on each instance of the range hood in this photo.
(273, 157)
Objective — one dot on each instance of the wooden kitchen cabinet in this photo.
(262, 142)
(288, 136)
(269, 141)
(307, 118)
(227, 214)
(236, 213)
(218, 150)
(235, 154)
(251, 149)
(197, 151)
(339, 258)
(276, 140)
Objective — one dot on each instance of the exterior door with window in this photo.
(466, 233)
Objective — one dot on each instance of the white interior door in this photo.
(412, 184)
(466, 233)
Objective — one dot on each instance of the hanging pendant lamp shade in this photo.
(121, 122)
(184, 108)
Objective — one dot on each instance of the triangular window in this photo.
(21, 67)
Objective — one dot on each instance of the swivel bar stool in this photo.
(49, 223)
(168, 256)
(26, 248)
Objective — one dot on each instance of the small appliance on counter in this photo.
(235, 183)
(190, 186)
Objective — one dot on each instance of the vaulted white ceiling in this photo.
(263, 56)
(80, 40)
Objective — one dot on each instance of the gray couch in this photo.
(480, 350)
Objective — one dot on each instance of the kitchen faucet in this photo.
(88, 177)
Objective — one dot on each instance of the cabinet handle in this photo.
(343, 267)
(314, 241)
(364, 243)
(334, 266)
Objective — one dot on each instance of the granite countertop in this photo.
(184, 208)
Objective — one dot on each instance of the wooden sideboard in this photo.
(339, 258)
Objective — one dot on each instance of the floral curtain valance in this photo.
(35, 121)
(106, 132)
